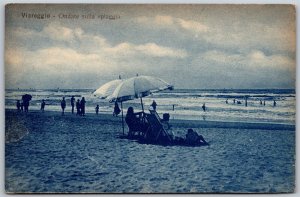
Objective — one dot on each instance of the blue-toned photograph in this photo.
(150, 98)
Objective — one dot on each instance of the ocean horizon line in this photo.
(200, 89)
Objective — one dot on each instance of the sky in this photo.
(189, 46)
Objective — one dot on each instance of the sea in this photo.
(180, 103)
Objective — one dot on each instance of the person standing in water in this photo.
(203, 107)
(97, 109)
(63, 105)
(154, 105)
(274, 103)
(43, 105)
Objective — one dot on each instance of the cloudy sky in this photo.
(190, 46)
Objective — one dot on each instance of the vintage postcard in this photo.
(156, 98)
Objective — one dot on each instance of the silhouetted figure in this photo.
(82, 106)
(173, 107)
(274, 103)
(133, 120)
(260, 102)
(117, 109)
(192, 138)
(246, 102)
(264, 103)
(238, 102)
(63, 105)
(97, 109)
(43, 105)
(203, 107)
(154, 105)
(226, 101)
(18, 105)
(233, 101)
(72, 103)
(26, 98)
(78, 107)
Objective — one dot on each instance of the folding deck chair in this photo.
(156, 131)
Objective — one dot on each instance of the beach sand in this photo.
(47, 152)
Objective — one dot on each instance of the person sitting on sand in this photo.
(97, 109)
(192, 138)
(63, 105)
(18, 105)
(78, 107)
(117, 110)
(43, 105)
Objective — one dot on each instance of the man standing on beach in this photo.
(63, 106)
(72, 104)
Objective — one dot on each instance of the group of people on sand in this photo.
(80, 105)
(138, 123)
(22, 106)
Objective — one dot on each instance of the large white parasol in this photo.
(107, 89)
(137, 87)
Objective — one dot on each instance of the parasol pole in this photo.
(142, 104)
(122, 117)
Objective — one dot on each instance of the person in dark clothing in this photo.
(134, 122)
(72, 103)
(193, 138)
(97, 109)
(63, 105)
(78, 107)
(82, 106)
(117, 109)
(274, 103)
(43, 105)
(203, 107)
(154, 105)
(18, 105)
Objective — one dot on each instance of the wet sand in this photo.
(47, 152)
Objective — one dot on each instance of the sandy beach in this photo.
(47, 152)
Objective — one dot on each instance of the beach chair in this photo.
(156, 131)
(164, 121)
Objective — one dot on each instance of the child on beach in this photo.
(63, 105)
(97, 109)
